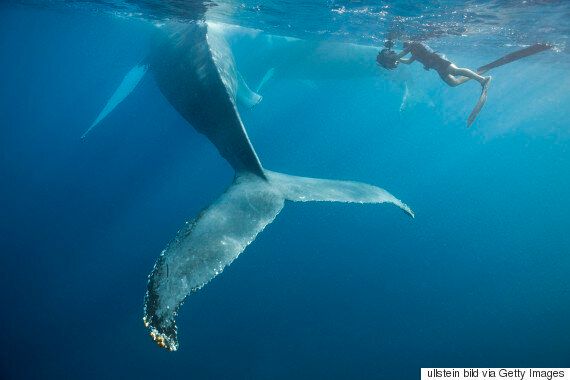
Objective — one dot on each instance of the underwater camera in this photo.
(387, 58)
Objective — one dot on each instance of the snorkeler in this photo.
(451, 74)
(447, 70)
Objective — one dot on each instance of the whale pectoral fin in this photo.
(405, 97)
(302, 189)
(203, 248)
(129, 83)
(268, 75)
(245, 95)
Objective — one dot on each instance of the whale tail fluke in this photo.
(304, 189)
(129, 83)
(216, 237)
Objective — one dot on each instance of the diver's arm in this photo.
(403, 53)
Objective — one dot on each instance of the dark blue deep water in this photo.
(480, 278)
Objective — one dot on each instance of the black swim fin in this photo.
(480, 104)
(514, 56)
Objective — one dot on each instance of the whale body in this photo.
(195, 70)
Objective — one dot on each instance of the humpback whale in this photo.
(195, 70)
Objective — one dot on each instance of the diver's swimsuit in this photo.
(429, 58)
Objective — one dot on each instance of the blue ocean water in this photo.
(478, 279)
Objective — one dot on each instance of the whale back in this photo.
(195, 71)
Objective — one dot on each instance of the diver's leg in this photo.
(449, 78)
(453, 81)
(465, 75)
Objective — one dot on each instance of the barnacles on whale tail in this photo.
(161, 339)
